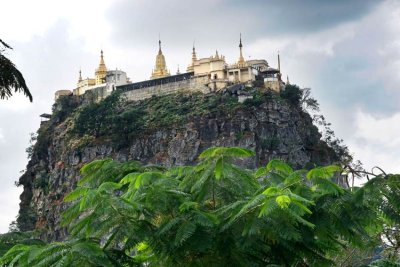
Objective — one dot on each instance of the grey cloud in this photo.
(219, 21)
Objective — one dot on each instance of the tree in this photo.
(211, 214)
(11, 79)
(292, 93)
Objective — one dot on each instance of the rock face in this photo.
(273, 129)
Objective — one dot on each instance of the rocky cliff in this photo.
(166, 130)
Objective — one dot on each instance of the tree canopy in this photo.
(11, 79)
(216, 214)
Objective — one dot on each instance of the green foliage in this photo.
(29, 150)
(11, 79)
(212, 214)
(26, 218)
(384, 192)
(259, 98)
(40, 142)
(292, 93)
(270, 143)
(8, 240)
(42, 182)
(121, 121)
(95, 118)
(63, 107)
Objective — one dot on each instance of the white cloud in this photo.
(2, 138)
(25, 19)
(376, 141)
(9, 209)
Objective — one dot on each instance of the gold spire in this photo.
(241, 59)
(101, 71)
(160, 70)
(194, 58)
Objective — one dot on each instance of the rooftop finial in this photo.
(194, 58)
(241, 61)
(279, 62)
(80, 75)
(101, 58)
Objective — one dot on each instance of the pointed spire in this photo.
(216, 54)
(159, 45)
(241, 61)
(80, 76)
(194, 58)
(101, 57)
(279, 68)
(287, 79)
(178, 71)
(279, 62)
(101, 71)
(160, 69)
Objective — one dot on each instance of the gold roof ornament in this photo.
(241, 61)
(101, 71)
(160, 70)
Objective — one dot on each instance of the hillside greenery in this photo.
(218, 214)
(120, 121)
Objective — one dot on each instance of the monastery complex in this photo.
(204, 75)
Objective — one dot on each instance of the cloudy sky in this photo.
(348, 52)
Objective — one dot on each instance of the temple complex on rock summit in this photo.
(206, 75)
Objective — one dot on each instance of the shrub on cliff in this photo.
(213, 214)
(292, 93)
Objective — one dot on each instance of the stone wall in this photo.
(194, 84)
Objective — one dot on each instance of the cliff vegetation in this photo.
(164, 130)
